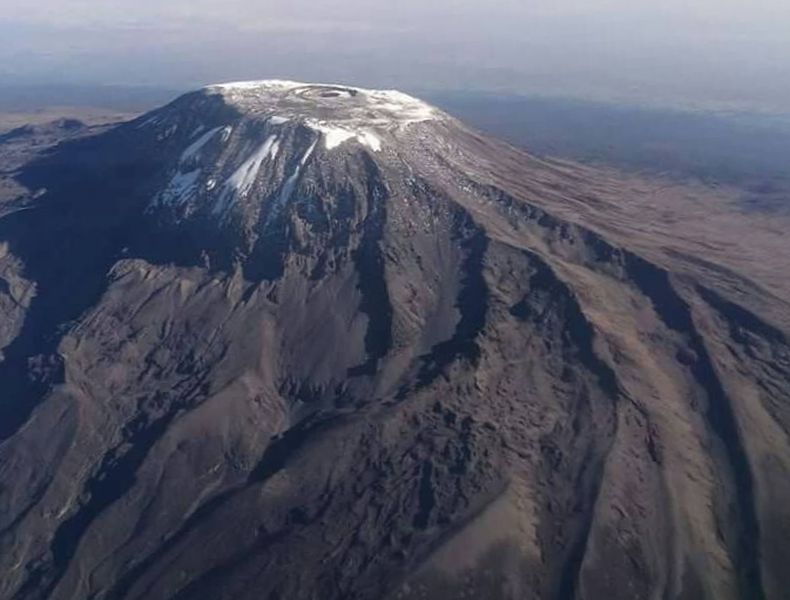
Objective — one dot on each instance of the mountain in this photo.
(288, 341)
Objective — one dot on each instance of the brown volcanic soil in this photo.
(484, 376)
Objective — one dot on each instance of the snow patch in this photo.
(288, 187)
(282, 84)
(197, 146)
(371, 140)
(243, 178)
(197, 131)
(349, 108)
(153, 120)
(167, 133)
(180, 188)
(334, 135)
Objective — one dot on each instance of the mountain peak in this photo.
(232, 148)
(440, 369)
(340, 112)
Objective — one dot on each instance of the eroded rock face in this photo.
(282, 340)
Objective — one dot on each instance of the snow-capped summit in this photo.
(339, 105)
(240, 153)
(341, 113)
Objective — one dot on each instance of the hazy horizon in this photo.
(707, 54)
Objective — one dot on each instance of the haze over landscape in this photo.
(721, 54)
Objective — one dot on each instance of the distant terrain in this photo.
(747, 150)
(32, 98)
(12, 120)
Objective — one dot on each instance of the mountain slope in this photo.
(280, 340)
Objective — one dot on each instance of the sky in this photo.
(708, 53)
